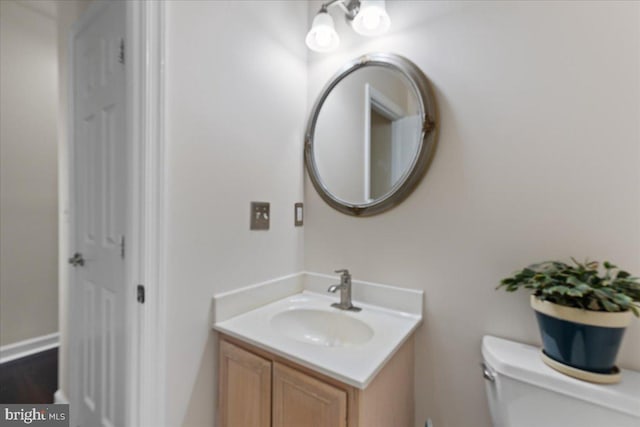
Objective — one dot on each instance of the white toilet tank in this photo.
(524, 392)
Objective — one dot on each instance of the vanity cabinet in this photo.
(245, 388)
(258, 389)
(298, 398)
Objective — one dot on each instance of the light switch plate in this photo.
(298, 215)
(260, 216)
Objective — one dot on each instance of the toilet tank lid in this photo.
(522, 362)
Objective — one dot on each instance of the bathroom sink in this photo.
(323, 328)
(350, 347)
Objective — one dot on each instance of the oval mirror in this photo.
(371, 134)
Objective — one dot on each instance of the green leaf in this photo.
(604, 293)
(560, 289)
(622, 299)
(584, 288)
(573, 292)
(622, 274)
(574, 281)
(609, 306)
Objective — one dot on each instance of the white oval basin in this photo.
(325, 328)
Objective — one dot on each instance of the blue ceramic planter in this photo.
(582, 339)
(586, 347)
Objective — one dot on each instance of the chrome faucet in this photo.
(345, 292)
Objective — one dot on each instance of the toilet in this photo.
(524, 392)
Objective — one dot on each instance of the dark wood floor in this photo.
(32, 379)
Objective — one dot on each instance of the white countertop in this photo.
(355, 365)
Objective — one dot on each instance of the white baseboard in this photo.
(59, 397)
(28, 347)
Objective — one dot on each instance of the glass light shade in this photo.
(372, 18)
(322, 36)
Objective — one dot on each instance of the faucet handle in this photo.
(343, 272)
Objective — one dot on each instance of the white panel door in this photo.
(100, 179)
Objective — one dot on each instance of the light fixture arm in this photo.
(349, 7)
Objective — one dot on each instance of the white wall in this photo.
(538, 159)
(236, 109)
(28, 174)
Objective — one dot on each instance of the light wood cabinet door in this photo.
(301, 400)
(244, 388)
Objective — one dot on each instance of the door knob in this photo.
(76, 260)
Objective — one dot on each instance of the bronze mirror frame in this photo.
(429, 116)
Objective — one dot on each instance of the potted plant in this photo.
(582, 312)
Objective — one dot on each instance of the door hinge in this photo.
(122, 247)
(121, 54)
(140, 294)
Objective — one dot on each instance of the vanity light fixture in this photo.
(367, 17)
(322, 37)
(372, 19)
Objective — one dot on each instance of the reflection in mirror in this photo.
(392, 142)
(371, 134)
(367, 134)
